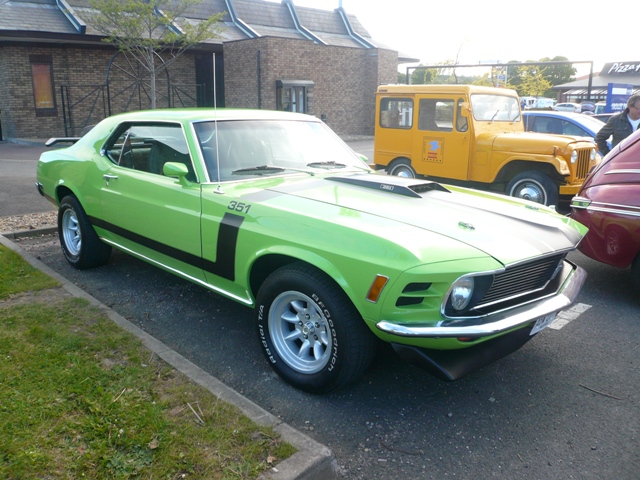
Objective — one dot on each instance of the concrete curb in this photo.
(312, 461)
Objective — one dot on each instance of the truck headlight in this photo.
(461, 292)
(574, 157)
(593, 154)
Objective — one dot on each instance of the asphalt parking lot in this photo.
(567, 405)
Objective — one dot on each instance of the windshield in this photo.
(272, 147)
(495, 108)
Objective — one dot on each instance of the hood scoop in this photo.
(391, 184)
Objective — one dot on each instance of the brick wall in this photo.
(82, 70)
(345, 79)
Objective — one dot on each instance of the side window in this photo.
(396, 113)
(436, 114)
(569, 128)
(147, 147)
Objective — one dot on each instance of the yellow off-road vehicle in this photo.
(474, 136)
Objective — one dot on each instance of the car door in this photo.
(442, 146)
(146, 212)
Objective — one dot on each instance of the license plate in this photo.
(542, 323)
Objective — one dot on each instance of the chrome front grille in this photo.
(520, 280)
(582, 164)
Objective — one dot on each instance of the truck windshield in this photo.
(495, 108)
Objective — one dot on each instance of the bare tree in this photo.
(147, 29)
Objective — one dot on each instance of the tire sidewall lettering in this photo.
(334, 337)
(263, 337)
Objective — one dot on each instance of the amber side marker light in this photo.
(376, 288)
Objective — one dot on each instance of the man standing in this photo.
(620, 125)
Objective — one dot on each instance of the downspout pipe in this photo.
(299, 27)
(246, 29)
(358, 38)
(172, 25)
(68, 12)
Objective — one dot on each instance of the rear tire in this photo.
(310, 332)
(80, 244)
(402, 168)
(534, 186)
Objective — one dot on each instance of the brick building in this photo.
(57, 76)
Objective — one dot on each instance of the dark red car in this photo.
(609, 204)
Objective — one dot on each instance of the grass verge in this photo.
(79, 397)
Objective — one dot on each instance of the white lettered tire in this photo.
(80, 244)
(310, 332)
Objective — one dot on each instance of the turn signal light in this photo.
(376, 288)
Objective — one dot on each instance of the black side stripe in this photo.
(224, 266)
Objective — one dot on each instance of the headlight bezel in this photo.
(480, 284)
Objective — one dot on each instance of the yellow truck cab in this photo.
(474, 136)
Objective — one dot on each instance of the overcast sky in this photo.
(499, 30)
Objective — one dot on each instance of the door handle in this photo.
(108, 177)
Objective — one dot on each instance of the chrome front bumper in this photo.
(498, 322)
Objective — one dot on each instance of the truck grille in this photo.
(582, 165)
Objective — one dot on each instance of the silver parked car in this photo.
(567, 107)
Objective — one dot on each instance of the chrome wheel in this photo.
(300, 332)
(80, 244)
(529, 190)
(71, 232)
(534, 186)
(402, 169)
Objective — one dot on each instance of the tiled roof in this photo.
(262, 19)
(34, 16)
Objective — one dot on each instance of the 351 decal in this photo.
(239, 207)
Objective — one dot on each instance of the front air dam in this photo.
(452, 365)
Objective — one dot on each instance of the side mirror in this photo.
(176, 169)
(465, 109)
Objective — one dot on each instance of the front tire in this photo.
(534, 186)
(80, 244)
(310, 332)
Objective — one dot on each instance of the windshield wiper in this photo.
(262, 169)
(326, 164)
(258, 169)
(494, 116)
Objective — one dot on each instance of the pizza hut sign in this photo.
(622, 68)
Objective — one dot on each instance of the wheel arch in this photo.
(397, 160)
(62, 191)
(265, 265)
(514, 167)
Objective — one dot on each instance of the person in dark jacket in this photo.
(620, 125)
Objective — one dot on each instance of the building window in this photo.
(294, 95)
(43, 90)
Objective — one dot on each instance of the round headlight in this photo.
(461, 293)
(574, 157)
(593, 154)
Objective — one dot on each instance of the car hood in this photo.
(508, 229)
(529, 142)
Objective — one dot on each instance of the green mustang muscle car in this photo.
(273, 210)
